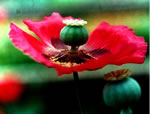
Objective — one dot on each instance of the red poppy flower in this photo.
(107, 44)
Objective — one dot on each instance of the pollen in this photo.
(75, 22)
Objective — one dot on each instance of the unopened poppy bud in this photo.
(74, 34)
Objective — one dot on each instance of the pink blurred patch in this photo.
(3, 15)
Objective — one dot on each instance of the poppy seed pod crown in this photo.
(74, 34)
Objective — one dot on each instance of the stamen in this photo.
(71, 59)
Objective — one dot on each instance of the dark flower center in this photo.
(62, 55)
(66, 58)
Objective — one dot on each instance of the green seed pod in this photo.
(74, 35)
(121, 93)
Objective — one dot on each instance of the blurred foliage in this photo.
(38, 7)
(31, 106)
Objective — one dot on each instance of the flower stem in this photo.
(126, 111)
(76, 81)
(74, 49)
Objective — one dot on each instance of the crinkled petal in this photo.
(34, 48)
(28, 44)
(47, 28)
(121, 41)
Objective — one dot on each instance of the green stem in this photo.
(74, 49)
(126, 111)
(76, 81)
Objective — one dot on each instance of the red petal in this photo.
(27, 43)
(124, 45)
(49, 27)
(61, 70)
(34, 48)
(138, 56)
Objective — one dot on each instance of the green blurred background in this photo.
(45, 92)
